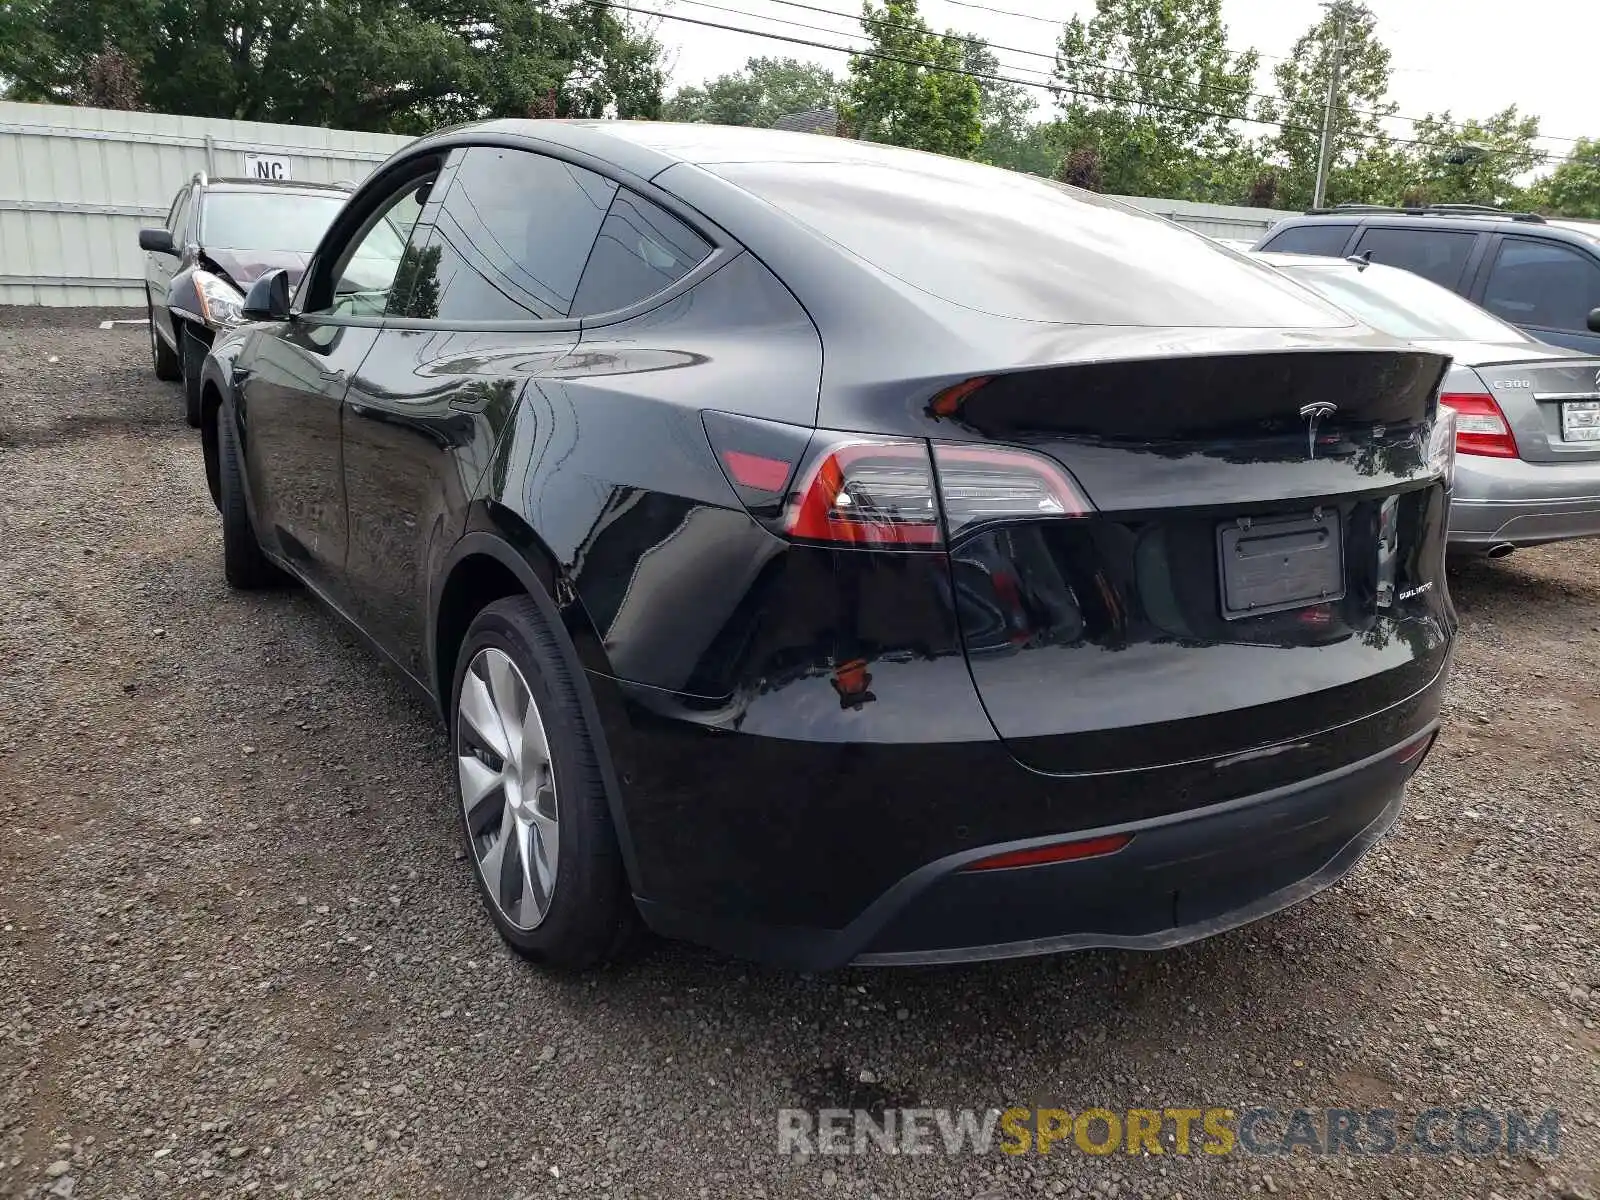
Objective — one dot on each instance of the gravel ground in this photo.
(240, 953)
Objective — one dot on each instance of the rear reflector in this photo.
(1481, 427)
(1416, 749)
(1059, 852)
(753, 471)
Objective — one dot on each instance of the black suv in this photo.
(819, 597)
(220, 236)
(1543, 275)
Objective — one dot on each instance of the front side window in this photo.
(1543, 284)
(172, 213)
(1436, 254)
(180, 216)
(365, 272)
(641, 250)
(509, 241)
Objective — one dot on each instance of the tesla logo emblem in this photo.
(1313, 413)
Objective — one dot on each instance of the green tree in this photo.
(765, 90)
(1004, 112)
(403, 67)
(893, 98)
(1301, 82)
(1475, 162)
(1152, 86)
(1573, 188)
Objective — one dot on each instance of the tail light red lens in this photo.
(856, 490)
(1054, 853)
(1481, 428)
(868, 492)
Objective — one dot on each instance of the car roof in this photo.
(272, 185)
(1587, 233)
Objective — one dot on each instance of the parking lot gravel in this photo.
(241, 954)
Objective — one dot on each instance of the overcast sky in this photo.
(1472, 57)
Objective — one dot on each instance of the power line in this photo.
(1256, 95)
(1054, 58)
(1054, 88)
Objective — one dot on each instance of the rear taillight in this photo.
(1481, 427)
(856, 490)
(867, 492)
(980, 484)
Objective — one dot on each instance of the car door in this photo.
(161, 266)
(1547, 287)
(492, 273)
(296, 376)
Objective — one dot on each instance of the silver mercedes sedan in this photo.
(1527, 413)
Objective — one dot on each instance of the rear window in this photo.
(1015, 246)
(1309, 239)
(1435, 254)
(1405, 305)
(267, 220)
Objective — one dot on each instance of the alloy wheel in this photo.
(508, 789)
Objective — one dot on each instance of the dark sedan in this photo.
(220, 235)
(829, 552)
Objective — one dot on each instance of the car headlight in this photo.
(1442, 445)
(221, 304)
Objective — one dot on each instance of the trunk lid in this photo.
(1536, 395)
(1251, 578)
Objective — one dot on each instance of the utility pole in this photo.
(1340, 13)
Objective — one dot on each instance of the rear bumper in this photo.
(1182, 877)
(1507, 500)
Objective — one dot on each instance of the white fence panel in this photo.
(77, 185)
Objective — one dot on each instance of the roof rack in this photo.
(1430, 210)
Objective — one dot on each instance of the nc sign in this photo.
(265, 166)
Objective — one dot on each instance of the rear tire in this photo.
(538, 828)
(194, 358)
(243, 564)
(162, 356)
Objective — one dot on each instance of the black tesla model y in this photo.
(830, 552)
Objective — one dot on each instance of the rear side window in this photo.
(641, 250)
(1437, 254)
(1544, 284)
(1310, 239)
(511, 238)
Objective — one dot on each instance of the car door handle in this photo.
(334, 377)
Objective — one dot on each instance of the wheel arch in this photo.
(486, 565)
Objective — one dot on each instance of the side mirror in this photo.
(268, 297)
(1594, 321)
(157, 241)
